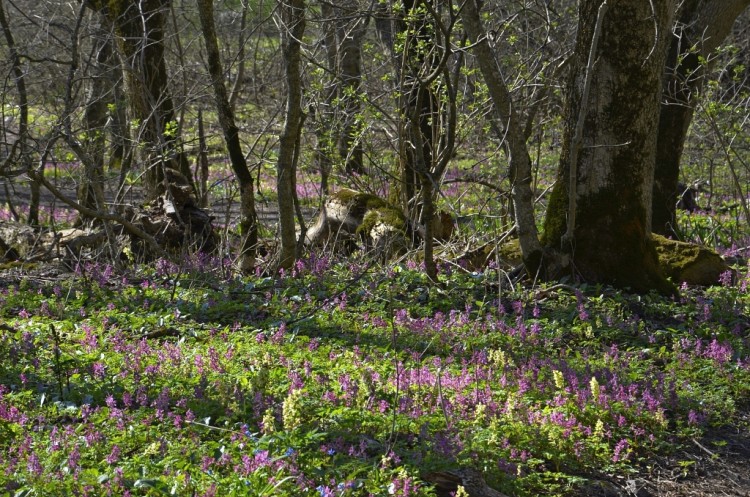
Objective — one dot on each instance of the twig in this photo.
(701, 446)
(560, 286)
(217, 428)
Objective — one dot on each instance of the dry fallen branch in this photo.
(104, 216)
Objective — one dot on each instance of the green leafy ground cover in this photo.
(342, 379)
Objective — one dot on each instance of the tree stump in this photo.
(174, 219)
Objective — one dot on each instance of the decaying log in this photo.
(689, 263)
(17, 241)
(680, 261)
(7, 253)
(74, 240)
(170, 224)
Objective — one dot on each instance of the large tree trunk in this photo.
(139, 26)
(606, 169)
(702, 25)
(248, 223)
(292, 28)
(510, 125)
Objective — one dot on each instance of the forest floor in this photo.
(714, 465)
(717, 464)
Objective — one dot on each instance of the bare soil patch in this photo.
(717, 465)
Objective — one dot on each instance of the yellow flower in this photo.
(594, 384)
(599, 428)
(480, 412)
(291, 411)
(269, 422)
(559, 379)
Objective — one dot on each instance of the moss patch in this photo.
(386, 215)
(689, 263)
(508, 255)
(359, 203)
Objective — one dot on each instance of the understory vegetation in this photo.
(131, 371)
(342, 378)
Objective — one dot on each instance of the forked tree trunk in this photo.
(606, 168)
(248, 222)
(702, 25)
(292, 28)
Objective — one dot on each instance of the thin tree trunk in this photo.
(292, 29)
(324, 114)
(91, 188)
(702, 25)
(121, 156)
(19, 148)
(512, 133)
(240, 79)
(203, 161)
(248, 223)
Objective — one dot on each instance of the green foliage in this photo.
(335, 378)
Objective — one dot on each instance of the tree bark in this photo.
(324, 113)
(139, 26)
(350, 31)
(91, 187)
(509, 123)
(19, 147)
(248, 222)
(612, 176)
(702, 25)
(292, 18)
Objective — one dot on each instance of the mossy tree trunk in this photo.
(292, 17)
(248, 222)
(139, 26)
(700, 27)
(606, 170)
